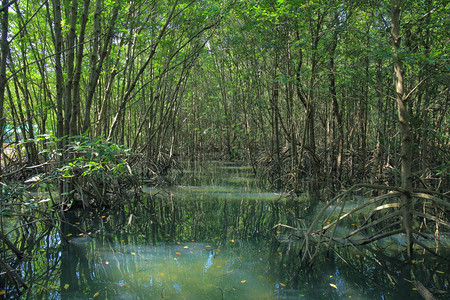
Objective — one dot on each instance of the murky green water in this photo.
(211, 237)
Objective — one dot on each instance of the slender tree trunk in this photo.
(96, 62)
(60, 128)
(364, 99)
(69, 59)
(4, 53)
(310, 105)
(404, 127)
(381, 127)
(74, 123)
(290, 119)
(275, 141)
(20, 82)
(338, 132)
(58, 42)
(424, 155)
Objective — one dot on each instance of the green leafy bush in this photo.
(89, 171)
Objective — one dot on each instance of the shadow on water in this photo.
(211, 237)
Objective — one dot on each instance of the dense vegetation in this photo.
(304, 87)
(96, 96)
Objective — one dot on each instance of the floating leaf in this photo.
(358, 256)
(161, 274)
(177, 253)
(77, 223)
(96, 294)
(282, 284)
(440, 272)
(186, 247)
(2, 292)
(132, 253)
(333, 285)
(53, 287)
(243, 281)
(103, 217)
(66, 286)
(208, 246)
(69, 234)
(175, 258)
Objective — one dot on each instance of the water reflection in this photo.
(184, 271)
(214, 241)
(185, 242)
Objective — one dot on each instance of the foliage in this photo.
(95, 169)
(304, 85)
(94, 158)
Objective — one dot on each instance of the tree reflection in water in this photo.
(216, 240)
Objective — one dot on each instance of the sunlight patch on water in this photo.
(184, 271)
(212, 192)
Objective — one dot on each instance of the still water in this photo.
(211, 236)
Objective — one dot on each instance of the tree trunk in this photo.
(404, 127)
(381, 128)
(338, 131)
(274, 111)
(70, 73)
(315, 27)
(75, 109)
(28, 129)
(290, 116)
(58, 41)
(4, 53)
(96, 62)
(363, 103)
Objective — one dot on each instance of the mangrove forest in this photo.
(235, 149)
